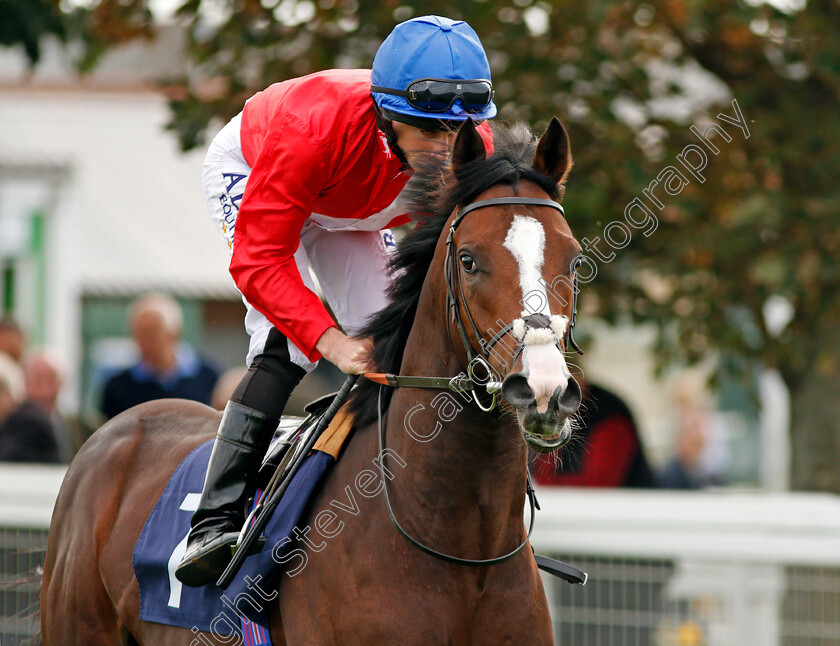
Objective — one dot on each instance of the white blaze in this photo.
(526, 241)
(543, 363)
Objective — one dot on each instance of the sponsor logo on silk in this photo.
(385, 147)
(389, 241)
(230, 204)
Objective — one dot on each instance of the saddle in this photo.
(316, 442)
(292, 426)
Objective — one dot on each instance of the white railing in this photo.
(755, 527)
(781, 528)
(28, 493)
(737, 568)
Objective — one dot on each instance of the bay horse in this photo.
(493, 239)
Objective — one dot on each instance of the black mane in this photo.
(433, 194)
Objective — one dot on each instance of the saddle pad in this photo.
(162, 544)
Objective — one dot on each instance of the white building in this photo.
(98, 205)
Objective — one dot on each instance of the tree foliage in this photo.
(629, 80)
(25, 22)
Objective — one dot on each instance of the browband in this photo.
(501, 201)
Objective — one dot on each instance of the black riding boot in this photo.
(241, 442)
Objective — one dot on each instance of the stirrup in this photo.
(204, 567)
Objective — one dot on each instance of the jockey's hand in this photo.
(351, 355)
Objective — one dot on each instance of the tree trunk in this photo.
(815, 428)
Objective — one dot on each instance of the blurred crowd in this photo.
(33, 429)
(607, 449)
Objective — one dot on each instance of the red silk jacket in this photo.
(314, 148)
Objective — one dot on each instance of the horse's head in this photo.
(511, 262)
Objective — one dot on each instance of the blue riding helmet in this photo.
(415, 65)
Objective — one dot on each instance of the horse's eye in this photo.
(576, 263)
(467, 263)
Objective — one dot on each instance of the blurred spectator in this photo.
(701, 458)
(11, 385)
(225, 386)
(35, 432)
(12, 339)
(605, 449)
(167, 367)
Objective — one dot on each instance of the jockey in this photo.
(324, 158)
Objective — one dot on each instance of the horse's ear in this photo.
(469, 146)
(553, 157)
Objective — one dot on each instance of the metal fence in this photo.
(665, 568)
(694, 569)
(27, 496)
(640, 602)
(21, 556)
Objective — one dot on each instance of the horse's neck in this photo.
(463, 483)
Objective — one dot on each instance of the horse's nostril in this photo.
(567, 401)
(517, 392)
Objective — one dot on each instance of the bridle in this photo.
(454, 289)
(469, 383)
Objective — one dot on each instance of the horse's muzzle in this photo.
(548, 431)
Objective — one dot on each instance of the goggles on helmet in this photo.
(438, 95)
